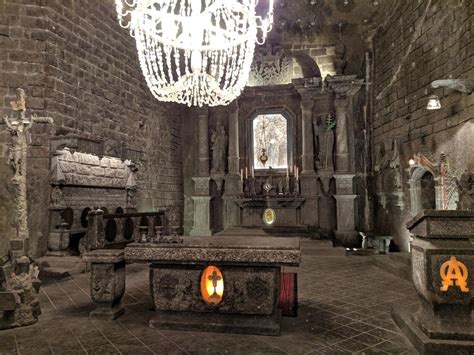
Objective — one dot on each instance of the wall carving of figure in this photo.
(466, 192)
(323, 130)
(56, 196)
(218, 148)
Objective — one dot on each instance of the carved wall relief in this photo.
(323, 130)
(219, 142)
(388, 178)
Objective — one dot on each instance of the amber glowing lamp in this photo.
(212, 285)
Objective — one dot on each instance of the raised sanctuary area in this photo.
(236, 177)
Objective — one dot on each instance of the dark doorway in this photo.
(428, 195)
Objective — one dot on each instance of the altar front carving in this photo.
(287, 210)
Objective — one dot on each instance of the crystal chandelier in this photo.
(195, 52)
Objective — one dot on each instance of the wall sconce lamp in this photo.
(465, 86)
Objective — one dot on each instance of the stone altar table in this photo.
(242, 285)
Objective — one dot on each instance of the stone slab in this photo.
(216, 322)
(442, 224)
(231, 250)
(105, 256)
(402, 317)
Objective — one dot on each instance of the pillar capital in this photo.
(344, 86)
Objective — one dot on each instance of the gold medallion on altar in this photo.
(269, 216)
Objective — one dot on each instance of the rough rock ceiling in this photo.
(312, 17)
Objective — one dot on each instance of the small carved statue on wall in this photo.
(56, 196)
(218, 147)
(466, 192)
(323, 130)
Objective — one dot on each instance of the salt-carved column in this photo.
(308, 89)
(233, 159)
(203, 122)
(344, 87)
(201, 197)
(232, 179)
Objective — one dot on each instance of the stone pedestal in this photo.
(233, 189)
(249, 270)
(310, 208)
(443, 269)
(346, 211)
(202, 216)
(202, 207)
(107, 282)
(58, 240)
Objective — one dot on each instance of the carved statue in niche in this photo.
(218, 148)
(466, 192)
(340, 60)
(323, 130)
(387, 163)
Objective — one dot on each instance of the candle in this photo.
(246, 173)
(241, 174)
(287, 171)
(253, 172)
(296, 174)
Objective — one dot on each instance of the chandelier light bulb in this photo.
(411, 162)
(195, 52)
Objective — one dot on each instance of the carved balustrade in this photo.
(114, 231)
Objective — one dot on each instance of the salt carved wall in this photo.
(421, 41)
(80, 68)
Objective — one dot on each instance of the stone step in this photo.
(60, 266)
(321, 247)
(401, 257)
(400, 269)
(54, 273)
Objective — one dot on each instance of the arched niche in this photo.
(281, 114)
(425, 189)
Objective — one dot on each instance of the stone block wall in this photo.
(420, 41)
(79, 67)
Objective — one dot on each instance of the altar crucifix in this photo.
(18, 127)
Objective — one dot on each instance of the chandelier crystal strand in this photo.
(195, 52)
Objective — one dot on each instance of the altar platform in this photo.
(220, 284)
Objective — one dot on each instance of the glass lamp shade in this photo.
(433, 103)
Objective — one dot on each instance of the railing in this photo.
(116, 230)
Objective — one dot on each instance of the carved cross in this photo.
(18, 128)
(214, 278)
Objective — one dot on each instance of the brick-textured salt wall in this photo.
(80, 68)
(422, 41)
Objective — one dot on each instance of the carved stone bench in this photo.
(107, 282)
